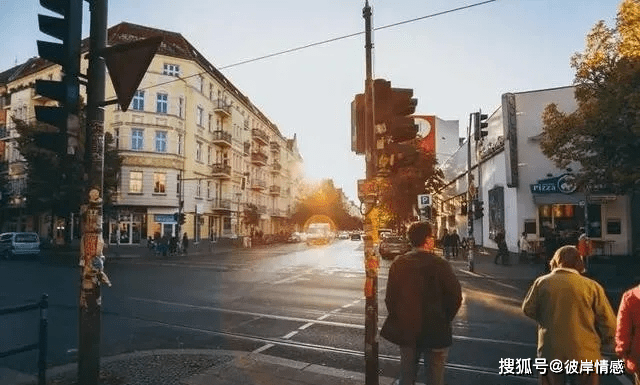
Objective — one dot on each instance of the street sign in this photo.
(424, 200)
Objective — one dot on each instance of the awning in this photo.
(558, 198)
(570, 199)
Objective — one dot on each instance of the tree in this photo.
(398, 192)
(603, 134)
(55, 183)
(251, 215)
(324, 199)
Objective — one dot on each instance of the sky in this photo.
(456, 63)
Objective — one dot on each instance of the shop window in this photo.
(159, 182)
(614, 227)
(595, 220)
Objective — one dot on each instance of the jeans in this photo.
(434, 360)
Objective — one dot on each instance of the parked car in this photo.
(392, 245)
(18, 244)
(343, 235)
(356, 237)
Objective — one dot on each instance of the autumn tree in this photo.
(324, 199)
(603, 133)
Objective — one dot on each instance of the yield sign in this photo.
(127, 64)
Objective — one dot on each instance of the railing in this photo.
(275, 146)
(221, 168)
(259, 134)
(220, 135)
(258, 156)
(276, 166)
(258, 183)
(41, 345)
(274, 190)
(220, 106)
(247, 148)
(222, 204)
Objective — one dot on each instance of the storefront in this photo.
(127, 227)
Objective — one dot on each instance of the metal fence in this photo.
(41, 345)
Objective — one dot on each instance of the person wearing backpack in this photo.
(423, 297)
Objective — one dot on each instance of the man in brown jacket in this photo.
(573, 314)
(423, 296)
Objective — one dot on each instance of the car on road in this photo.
(356, 237)
(393, 245)
(343, 235)
(19, 244)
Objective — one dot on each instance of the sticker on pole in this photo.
(424, 200)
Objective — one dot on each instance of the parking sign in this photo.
(424, 200)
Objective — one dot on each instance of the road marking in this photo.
(472, 273)
(323, 317)
(291, 279)
(263, 348)
(306, 325)
(347, 305)
(293, 333)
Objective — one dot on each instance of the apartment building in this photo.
(191, 138)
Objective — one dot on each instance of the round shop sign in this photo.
(567, 184)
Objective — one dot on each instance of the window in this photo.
(135, 182)
(614, 226)
(199, 188)
(137, 103)
(208, 189)
(208, 154)
(179, 144)
(171, 70)
(199, 151)
(201, 83)
(210, 91)
(181, 107)
(209, 123)
(116, 134)
(137, 139)
(159, 182)
(161, 141)
(199, 115)
(161, 103)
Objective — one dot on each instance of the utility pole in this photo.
(372, 261)
(92, 212)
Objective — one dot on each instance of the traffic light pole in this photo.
(371, 259)
(471, 243)
(91, 258)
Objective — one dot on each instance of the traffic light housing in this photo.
(393, 126)
(480, 122)
(182, 219)
(478, 209)
(68, 29)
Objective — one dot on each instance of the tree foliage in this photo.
(56, 183)
(398, 192)
(325, 199)
(603, 134)
(251, 215)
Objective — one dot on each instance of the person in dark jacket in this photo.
(423, 296)
(185, 243)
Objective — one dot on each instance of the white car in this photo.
(17, 244)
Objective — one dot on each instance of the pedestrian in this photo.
(585, 248)
(524, 246)
(503, 252)
(575, 319)
(423, 296)
(628, 332)
(454, 240)
(185, 243)
(444, 243)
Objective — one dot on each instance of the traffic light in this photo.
(357, 125)
(182, 218)
(393, 126)
(480, 122)
(68, 29)
(478, 209)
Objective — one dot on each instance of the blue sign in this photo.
(565, 184)
(163, 218)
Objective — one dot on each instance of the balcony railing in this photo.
(221, 138)
(278, 212)
(221, 107)
(221, 170)
(276, 167)
(260, 135)
(274, 190)
(275, 146)
(247, 148)
(258, 184)
(259, 158)
(221, 204)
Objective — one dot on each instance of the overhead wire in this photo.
(327, 41)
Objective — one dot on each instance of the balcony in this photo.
(260, 136)
(278, 213)
(246, 124)
(221, 205)
(220, 170)
(222, 108)
(276, 167)
(259, 158)
(262, 209)
(275, 146)
(247, 148)
(221, 138)
(274, 190)
(258, 184)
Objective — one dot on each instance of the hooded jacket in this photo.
(628, 330)
(423, 296)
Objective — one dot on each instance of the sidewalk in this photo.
(198, 367)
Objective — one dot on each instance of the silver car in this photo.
(19, 244)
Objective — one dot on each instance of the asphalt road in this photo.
(292, 301)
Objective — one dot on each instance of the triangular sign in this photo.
(127, 64)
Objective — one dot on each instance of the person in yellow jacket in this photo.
(575, 319)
